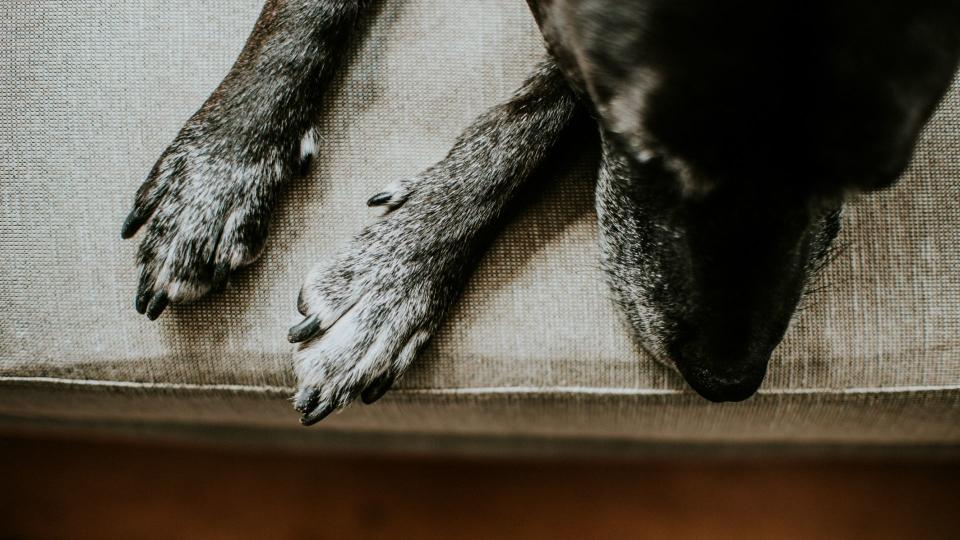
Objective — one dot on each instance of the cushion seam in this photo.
(569, 390)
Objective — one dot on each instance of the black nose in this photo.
(722, 377)
(722, 386)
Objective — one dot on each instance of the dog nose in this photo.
(720, 387)
(722, 377)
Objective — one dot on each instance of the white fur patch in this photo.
(308, 145)
(333, 353)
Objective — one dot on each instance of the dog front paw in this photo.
(370, 312)
(206, 206)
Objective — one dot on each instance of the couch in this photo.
(92, 92)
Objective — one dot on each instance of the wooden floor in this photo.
(63, 489)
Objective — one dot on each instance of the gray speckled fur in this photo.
(381, 300)
(209, 197)
(207, 203)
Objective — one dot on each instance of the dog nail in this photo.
(316, 415)
(143, 298)
(132, 224)
(379, 199)
(305, 165)
(220, 275)
(305, 406)
(305, 330)
(157, 305)
(377, 389)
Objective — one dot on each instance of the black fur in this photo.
(733, 131)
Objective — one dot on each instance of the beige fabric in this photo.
(916, 417)
(92, 92)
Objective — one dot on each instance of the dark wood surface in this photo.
(65, 489)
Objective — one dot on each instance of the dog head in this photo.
(733, 132)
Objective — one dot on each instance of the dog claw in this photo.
(379, 199)
(305, 330)
(304, 167)
(157, 305)
(143, 299)
(220, 275)
(132, 224)
(305, 403)
(377, 388)
(317, 414)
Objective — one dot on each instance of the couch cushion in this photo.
(91, 93)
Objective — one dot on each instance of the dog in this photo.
(731, 133)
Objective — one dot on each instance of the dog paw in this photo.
(370, 312)
(206, 208)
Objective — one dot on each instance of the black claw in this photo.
(316, 415)
(310, 404)
(144, 293)
(307, 328)
(305, 165)
(157, 305)
(379, 199)
(220, 275)
(132, 224)
(143, 298)
(377, 388)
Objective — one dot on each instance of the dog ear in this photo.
(602, 44)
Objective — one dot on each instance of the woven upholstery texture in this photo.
(91, 93)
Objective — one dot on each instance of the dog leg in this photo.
(208, 199)
(372, 310)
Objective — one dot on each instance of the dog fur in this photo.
(731, 134)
